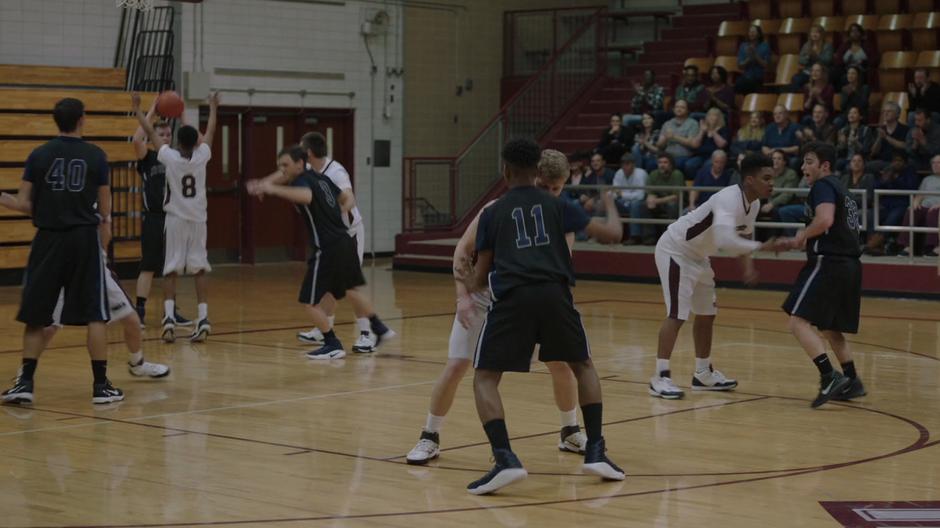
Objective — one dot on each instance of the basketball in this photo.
(169, 104)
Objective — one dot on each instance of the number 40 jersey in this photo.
(185, 182)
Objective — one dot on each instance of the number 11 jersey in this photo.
(185, 182)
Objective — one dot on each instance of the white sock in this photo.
(169, 308)
(203, 309)
(434, 422)
(661, 365)
(136, 357)
(569, 418)
(702, 364)
(332, 319)
(363, 324)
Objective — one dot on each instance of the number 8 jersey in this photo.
(185, 182)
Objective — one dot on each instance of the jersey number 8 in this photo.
(189, 186)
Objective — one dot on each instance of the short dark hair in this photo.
(67, 113)
(668, 156)
(922, 111)
(314, 142)
(521, 154)
(824, 152)
(753, 162)
(296, 153)
(187, 137)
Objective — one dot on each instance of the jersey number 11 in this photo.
(522, 237)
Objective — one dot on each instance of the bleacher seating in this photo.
(27, 96)
(787, 66)
(791, 34)
(893, 75)
(924, 30)
(889, 34)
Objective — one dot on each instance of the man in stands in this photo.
(782, 135)
(677, 136)
(923, 140)
(659, 204)
(889, 140)
(924, 93)
(819, 127)
(692, 91)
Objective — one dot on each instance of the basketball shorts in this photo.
(828, 293)
(119, 303)
(333, 270)
(67, 263)
(688, 283)
(151, 242)
(464, 340)
(542, 314)
(185, 247)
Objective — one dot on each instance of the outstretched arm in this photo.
(213, 117)
(140, 135)
(609, 231)
(145, 122)
(297, 195)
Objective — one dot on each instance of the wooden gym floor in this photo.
(247, 432)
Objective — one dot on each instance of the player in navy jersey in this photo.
(333, 270)
(65, 186)
(523, 256)
(828, 290)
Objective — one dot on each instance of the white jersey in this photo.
(716, 224)
(335, 171)
(185, 182)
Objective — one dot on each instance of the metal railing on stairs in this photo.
(145, 49)
(454, 186)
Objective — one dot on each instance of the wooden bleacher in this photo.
(27, 96)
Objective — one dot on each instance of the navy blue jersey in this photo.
(66, 173)
(153, 175)
(323, 216)
(841, 239)
(526, 229)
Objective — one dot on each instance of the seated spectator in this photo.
(677, 135)
(716, 175)
(889, 139)
(648, 97)
(692, 91)
(659, 204)
(854, 93)
(615, 141)
(644, 143)
(854, 138)
(857, 178)
(923, 140)
(781, 134)
(816, 50)
(578, 169)
(854, 51)
(818, 91)
(630, 201)
(819, 128)
(925, 211)
(712, 135)
(750, 136)
(735, 178)
(898, 176)
(924, 93)
(784, 178)
(718, 93)
(753, 57)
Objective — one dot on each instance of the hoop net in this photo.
(142, 5)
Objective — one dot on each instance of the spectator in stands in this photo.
(719, 94)
(677, 135)
(818, 91)
(854, 93)
(577, 171)
(644, 143)
(784, 178)
(692, 91)
(857, 178)
(854, 138)
(750, 136)
(648, 97)
(923, 140)
(660, 204)
(781, 134)
(854, 51)
(615, 141)
(716, 175)
(898, 176)
(753, 57)
(925, 211)
(630, 201)
(712, 135)
(819, 127)
(815, 51)
(924, 93)
(890, 138)
(736, 170)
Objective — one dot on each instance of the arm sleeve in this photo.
(574, 218)
(484, 237)
(821, 193)
(203, 154)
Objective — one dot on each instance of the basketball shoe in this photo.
(428, 448)
(507, 470)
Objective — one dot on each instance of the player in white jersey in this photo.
(185, 205)
(468, 322)
(682, 259)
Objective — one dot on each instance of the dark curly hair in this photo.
(522, 154)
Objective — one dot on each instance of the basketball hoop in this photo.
(142, 5)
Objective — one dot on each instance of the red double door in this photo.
(247, 140)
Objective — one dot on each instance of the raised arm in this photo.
(140, 135)
(609, 231)
(144, 122)
(213, 117)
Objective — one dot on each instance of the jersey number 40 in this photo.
(71, 178)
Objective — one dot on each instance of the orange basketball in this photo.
(169, 104)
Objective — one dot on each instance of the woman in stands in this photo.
(712, 135)
(720, 94)
(615, 141)
(854, 93)
(818, 90)
(854, 138)
(644, 146)
(750, 136)
(753, 57)
(816, 50)
(854, 51)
